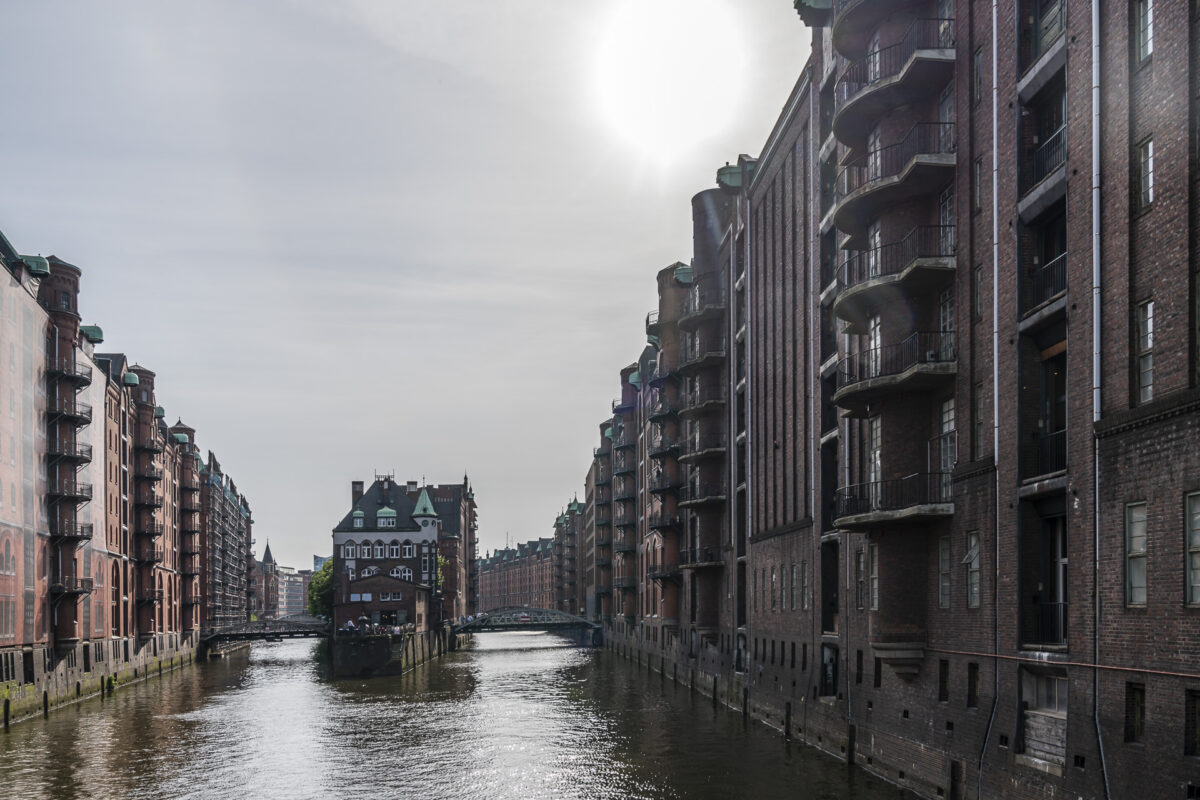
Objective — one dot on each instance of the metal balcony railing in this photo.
(151, 596)
(69, 369)
(919, 489)
(661, 571)
(701, 300)
(922, 347)
(708, 441)
(651, 321)
(1045, 158)
(69, 450)
(624, 583)
(926, 138)
(699, 555)
(704, 491)
(1045, 623)
(925, 241)
(624, 546)
(149, 529)
(150, 473)
(661, 408)
(662, 445)
(70, 489)
(662, 519)
(700, 351)
(887, 62)
(68, 406)
(150, 554)
(706, 394)
(1049, 453)
(1044, 282)
(71, 585)
(66, 530)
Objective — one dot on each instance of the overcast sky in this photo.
(393, 236)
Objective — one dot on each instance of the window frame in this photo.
(873, 575)
(1191, 547)
(944, 571)
(1144, 173)
(1143, 30)
(1144, 351)
(974, 571)
(1136, 556)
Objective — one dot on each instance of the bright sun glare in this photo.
(669, 73)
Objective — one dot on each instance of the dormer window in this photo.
(358, 523)
(387, 522)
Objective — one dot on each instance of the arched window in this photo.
(394, 549)
(369, 571)
(395, 573)
(349, 550)
(7, 565)
(405, 574)
(379, 550)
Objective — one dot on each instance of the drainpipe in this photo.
(995, 389)
(1096, 384)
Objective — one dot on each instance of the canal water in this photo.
(515, 716)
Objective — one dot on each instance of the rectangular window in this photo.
(379, 549)
(393, 551)
(1144, 28)
(977, 185)
(878, 673)
(980, 421)
(977, 292)
(773, 578)
(944, 572)
(410, 551)
(972, 561)
(1191, 724)
(858, 666)
(1135, 712)
(1192, 522)
(804, 596)
(1145, 173)
(873, 556)
(1145, 351)
(860, 578)
(972, 685)
(1135, 554)
(943, 681)
(793, 589)
(977, 77)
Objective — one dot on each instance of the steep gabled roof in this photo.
(424, 506)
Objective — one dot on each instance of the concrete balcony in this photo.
(702, 494)
(701, 558)
(854, 22)
(707, 398)
(911, 268)
(921, 163)
(923, 361)
(711, 445)
(918, 497)
(914, 68)
(703, 354)
(702, 305)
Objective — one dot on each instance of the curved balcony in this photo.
(701, 305)
(662, 373)
(870, 279)
(189, 505)
(624, 546)
(70, 531)
(603, 540)
(69, 451)
(921, 163)
(69, 490)
(149, 529)
(662, 446)
(662, 409)
(700, 558)
(703, 354)
(68, 409)
(660, 572)
(921, 362)
(624, 522)
(627, 467)
(708, 398)
(603, 480)
(623, 406)
(919, 497)
(912, 69)
(660, 484)
(702, 493)
(854, 21)
(625, 495)
(625, 442)
(711, 445)
(67, 370)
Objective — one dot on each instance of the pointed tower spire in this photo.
(424, 506)
(267, 557)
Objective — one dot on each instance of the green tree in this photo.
(320, 591)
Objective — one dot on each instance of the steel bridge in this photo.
(295, 627)
(524, 618)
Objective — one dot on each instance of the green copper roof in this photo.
(181, 438)
(159, 412)
(92, 333)
(424, 506)
(652, 339)
(683, 273)
(635, 378)
(130, 379)
(385, 512)
(359, 513)
(608, 433)
(37, 265)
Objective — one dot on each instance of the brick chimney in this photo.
(356, 492)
